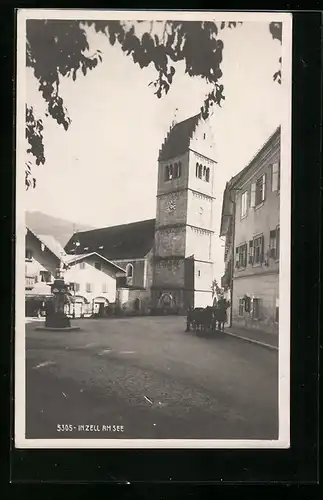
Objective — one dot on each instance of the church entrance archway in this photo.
(166, 301)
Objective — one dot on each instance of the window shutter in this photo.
(275, 180)
(253, 195)
(237, 257)
(262, 249)
(251, 252)
(263, 192)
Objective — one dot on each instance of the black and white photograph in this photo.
(153, 204)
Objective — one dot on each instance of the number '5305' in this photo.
(64, 428)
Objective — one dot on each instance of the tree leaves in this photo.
(60, 48)
(276, 30)
(34, 135)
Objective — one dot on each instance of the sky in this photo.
(103, 170)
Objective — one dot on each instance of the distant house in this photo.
(250, 224)
(41, 260)
(92, 280)
(43, 257)
(129, 248)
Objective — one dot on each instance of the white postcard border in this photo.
(285, 224)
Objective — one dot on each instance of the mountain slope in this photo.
(60, 229)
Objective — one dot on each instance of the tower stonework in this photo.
(183, 267)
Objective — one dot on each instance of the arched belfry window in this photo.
(200, 171)
(168, 172)
(197, 170)
(204, 171)
(207, 175)
(129, 271)
(179, 169)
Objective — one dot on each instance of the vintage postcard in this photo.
(153, 209)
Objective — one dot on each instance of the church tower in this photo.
(183, 267)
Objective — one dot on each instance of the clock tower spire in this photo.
(183, 267)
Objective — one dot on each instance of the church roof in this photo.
(127, 241)
(178, 140)
(71, 260)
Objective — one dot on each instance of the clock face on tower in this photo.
(171, 205)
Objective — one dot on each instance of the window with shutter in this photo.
(260, 190)
(244, 204)
(245, 254)
(272, 244)
(242, 255)
(253, 195)
(275, 180)
(250, 251)
(258, 249)
(263, 191)
(237, 257)
(262, 248)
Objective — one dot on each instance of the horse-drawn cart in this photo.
(208, 319)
